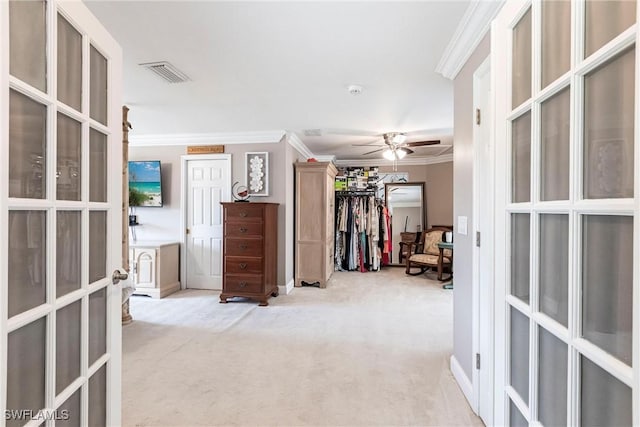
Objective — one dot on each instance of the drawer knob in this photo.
(243, 284)
(243, 214)
(243, 246)
(243, 229)
(243, 266)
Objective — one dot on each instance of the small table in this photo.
(441, 247)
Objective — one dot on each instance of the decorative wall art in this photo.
(257, 164)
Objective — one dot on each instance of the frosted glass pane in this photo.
(604, 20)
(519, 360)
(97, 245)
(27, 42)
(26, 368)
(556, 40)
(520, 254)
(97, 167)
(97, 325)
(516, 419)
(69, 159)
(521, 158)
(521, 66)
(604, 400)
(98, 398)
(68, 323)
(552, 380)
(555, 123)
(554, 266)
(71, 411)
(27, 147)
(607, 283)
(68, 245)
(69, 64)
(608, 133)
(98, 85)
(27, 260)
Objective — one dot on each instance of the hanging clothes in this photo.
(359, 227)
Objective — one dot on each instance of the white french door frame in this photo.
(483, 330)
(93, 34)
(184, 201)
(575, 208)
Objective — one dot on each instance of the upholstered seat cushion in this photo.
(428, 259)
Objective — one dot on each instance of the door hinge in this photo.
(477, 238)
(478, 116)
(188, 231)
(477, 360)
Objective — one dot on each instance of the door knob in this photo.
(118, 276)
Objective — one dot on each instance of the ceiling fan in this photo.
(395, 145)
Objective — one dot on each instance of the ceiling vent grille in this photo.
(166, 71)
(313, 132)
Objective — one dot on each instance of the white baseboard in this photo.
(286, 289)
(463, 381)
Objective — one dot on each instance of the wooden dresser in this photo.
(315, 201)
(250, 251)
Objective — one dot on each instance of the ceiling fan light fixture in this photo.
(400, 153)
(399, 138)
(389, 154)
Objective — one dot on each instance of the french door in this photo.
(60, 124)
(567, 205)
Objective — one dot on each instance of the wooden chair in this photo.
(427, 254)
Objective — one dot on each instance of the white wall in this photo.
(463, 206)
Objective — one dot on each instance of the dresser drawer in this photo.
(243, 212)
(242, 265)
(248, 283)
(243, 229)
(243, 247)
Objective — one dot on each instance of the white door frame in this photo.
(184, 160)
(483, 321)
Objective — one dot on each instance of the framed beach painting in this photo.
(145, 183)
(257, 170)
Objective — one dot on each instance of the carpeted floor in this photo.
(370, 349)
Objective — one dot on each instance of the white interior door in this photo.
(208, 183)
(567, 230)
(483, 256)
(60, 216)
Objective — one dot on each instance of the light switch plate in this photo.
(462, 225)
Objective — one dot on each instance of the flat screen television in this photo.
(145, 182)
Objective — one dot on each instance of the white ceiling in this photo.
(264, 66)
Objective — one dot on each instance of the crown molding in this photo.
(472, 27)
(295, 141)
(325, 158)
(431, 160)
(268, 137)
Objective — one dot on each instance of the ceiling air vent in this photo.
(166, 71)
(313, 132)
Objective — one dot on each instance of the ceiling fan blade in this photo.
(374, 151)
(409, 151)
(421, 143)
(369, 144)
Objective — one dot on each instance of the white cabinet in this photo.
(155, 267)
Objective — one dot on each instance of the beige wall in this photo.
(438, 179)
(463, 206)
(164, 223)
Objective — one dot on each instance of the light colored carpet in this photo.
(370, 349)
